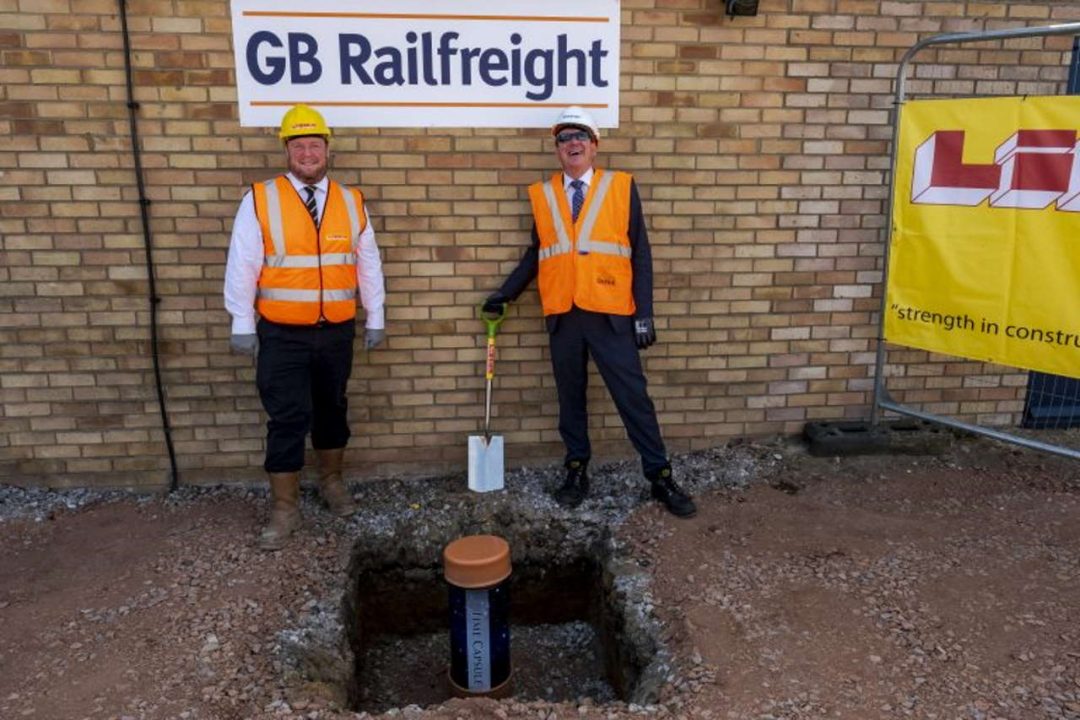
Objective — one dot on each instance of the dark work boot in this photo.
(671, 495)
(576, 485)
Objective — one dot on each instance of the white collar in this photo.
(585, 178)
(321, 185)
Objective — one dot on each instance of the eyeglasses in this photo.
(570, 135)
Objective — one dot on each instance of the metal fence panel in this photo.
(982, 398)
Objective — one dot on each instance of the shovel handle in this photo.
(492, 320)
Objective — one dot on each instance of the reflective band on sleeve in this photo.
(563, 245)
(273, 212)
(353, 211)
(585, 244)
(310, 261)
(312, 296)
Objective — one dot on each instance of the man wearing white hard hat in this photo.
(302, 250)
(590, 251)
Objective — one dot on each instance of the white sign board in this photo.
(427, 63)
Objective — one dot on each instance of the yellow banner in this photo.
(985, 248)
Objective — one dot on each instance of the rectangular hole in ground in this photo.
(561, 629)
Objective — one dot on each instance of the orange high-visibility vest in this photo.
(586, 263)
(309, 273)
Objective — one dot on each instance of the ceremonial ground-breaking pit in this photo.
(575, 631)
(582, 620)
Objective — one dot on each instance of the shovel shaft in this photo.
(487, 411)
(490, 370)
(488, 375)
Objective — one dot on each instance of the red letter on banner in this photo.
(1070, 201)
(1035, 168)
(940, 176)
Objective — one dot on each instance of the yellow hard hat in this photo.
(303, 120)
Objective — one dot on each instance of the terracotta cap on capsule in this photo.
(476, 561)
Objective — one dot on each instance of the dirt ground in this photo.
(863, 587)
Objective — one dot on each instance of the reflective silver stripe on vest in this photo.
(339, 295)
(310, 296)
(273, 214)
(584, 243)
(563, 246)
(608, 248)
(310, 261)
(353, 211)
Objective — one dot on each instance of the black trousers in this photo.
(302, 372)
(609, 340)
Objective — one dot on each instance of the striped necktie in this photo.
(310, 203)
(578, 198)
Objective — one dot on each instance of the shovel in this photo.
(486, 451)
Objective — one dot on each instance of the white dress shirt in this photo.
(585, 178)
(246, 257)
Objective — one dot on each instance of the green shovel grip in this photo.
(492, 320)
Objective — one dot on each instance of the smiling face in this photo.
(576, 150)
(308, 157)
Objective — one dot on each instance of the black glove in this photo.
(644, 332)
(496, 303)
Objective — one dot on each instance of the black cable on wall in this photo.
(144, 204)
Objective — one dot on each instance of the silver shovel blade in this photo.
(485, 463)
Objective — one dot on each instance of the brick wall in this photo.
(760, 146)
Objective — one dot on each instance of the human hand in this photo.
(372, 337)
(644, 332)
(496, 304)
(247, 344)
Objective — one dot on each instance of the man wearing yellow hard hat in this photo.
(590, 250)
(302, 250)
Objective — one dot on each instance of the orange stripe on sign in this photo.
(406, 16)
(349, 103)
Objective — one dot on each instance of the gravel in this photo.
(806, 588)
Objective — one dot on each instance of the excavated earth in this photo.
(944, 586)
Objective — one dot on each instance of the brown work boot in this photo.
(284, 514)
(332, 488)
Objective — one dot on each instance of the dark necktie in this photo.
(578, 198)
(310, 203)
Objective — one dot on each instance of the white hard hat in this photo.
(576, 116)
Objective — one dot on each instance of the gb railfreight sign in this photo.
(427, 63)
